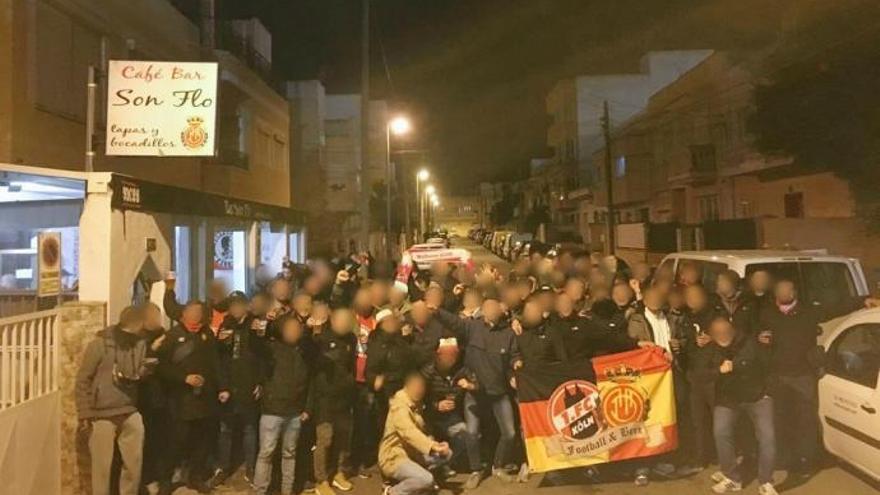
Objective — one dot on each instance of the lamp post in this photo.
(398, 126)
(421, 176)
(424, 198)
(435, 202)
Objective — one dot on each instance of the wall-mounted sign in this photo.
(161, 108)
(49, 264)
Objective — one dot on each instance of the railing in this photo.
(28, 357)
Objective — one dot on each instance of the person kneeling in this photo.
(407, 453)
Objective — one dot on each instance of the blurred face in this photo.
(362, 302)
(378, 294)
(302, 304)
(420, 313)
(390, 325)
(689, 275)
(546, 299)
(599, 293)
(291, 331)
(725, 287)
(565, 262)
(217, 290)
(491, 310)
(621, 294)
(676, 299)
(641, 271)
(445, 360)
(564, 305)
(341, 321)
(440, 270)
(785, 292)
(695, 298)
(575, 289)
(259, 305)
(281, 290)
(415, 388)
(238, 309)
(472, 300)
(434, 296)
(511, 297)
(533, 314)
(312, 285)
(722, 332)
(320, 311)
(760, 282)
(193, 313)
(654, 300)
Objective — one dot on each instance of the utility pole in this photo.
(366, 188)
(609, 179)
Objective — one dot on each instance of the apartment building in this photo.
(130, 220)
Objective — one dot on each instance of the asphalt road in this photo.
(832, 479)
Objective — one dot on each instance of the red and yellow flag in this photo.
(622, 408)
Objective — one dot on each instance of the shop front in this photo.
(120, 235)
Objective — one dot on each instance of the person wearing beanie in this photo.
(448, 382)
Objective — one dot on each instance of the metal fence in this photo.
(28, 357)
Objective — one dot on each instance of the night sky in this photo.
(474, 73)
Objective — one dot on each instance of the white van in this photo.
(849, 392)
(821, 279)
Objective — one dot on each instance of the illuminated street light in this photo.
(423, 175)
(400, 126)
(435, 201)
(430, 190)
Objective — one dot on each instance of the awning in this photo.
(130, 193)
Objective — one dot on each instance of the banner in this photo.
(49, 264)
(621, 408)
(161, 108)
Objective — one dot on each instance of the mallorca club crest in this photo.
(194, 136)
(574, 410)
(624, 401)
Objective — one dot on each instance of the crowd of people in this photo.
(337, 370)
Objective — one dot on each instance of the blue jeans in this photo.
(412, 477)
(502, 409)
(761, 415)
(273, 428)
(232, 425)
(464, 444)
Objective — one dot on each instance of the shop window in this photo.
(296, 252)
(183, 266)
(273, 246)
(230, 258)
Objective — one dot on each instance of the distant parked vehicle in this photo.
(514, 240)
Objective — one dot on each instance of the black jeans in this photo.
(234, 425)
(702, 402)
(365, 432)
(796, 405)
(157, 430)
(191, 441)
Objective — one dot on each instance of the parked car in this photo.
(513, 240)
(849, 397)
(499, 239)
(821, 279)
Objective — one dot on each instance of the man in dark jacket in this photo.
(286, 404)
(741, 310)
(533, 337)
(389, 360)
(739, 367)
(425, 333)
(152, 403)
(578, 339)
(106, 401)
(190, 370)
(448, 383)
(335, 394)
(491, 353)
(242, 358)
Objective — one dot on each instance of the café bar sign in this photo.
(161, 108)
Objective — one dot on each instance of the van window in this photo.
(709, 271)
(829, 284)
(855, 355)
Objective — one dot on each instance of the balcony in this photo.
(703, 166)
(237, 42)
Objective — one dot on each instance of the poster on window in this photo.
(161, 108)
(49, 264)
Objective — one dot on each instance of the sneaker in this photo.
(717, 477)
(767, 489)
(642, 479)
(727, 485)
(341, 482)
(217, 478)
(502, 475)
(664, 470)
(386, 490)
(523, 475)
(309, 486)
(591, 473)
(473, 480)
(323, 488)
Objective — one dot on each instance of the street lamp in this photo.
(421, 176)
(398, 126)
